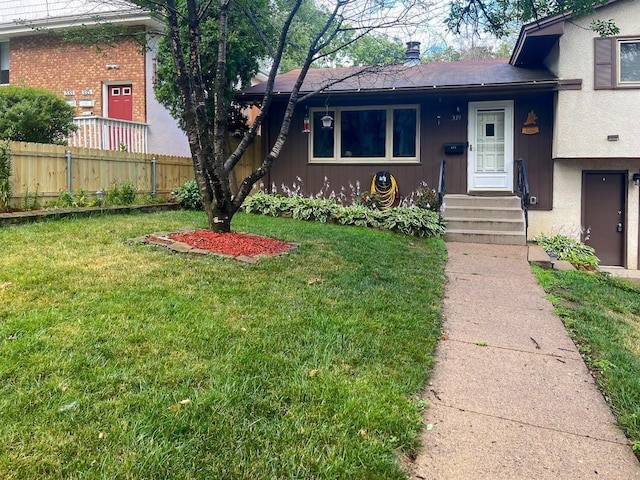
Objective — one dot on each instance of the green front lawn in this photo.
(120, 360)
(603, 317)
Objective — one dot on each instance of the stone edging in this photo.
(17, 218)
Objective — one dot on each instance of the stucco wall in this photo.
(585, 117)
(565, 218)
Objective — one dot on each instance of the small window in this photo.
(4, 63)
(126, 90)
(616, 63)
(115, 92)
(629, 62)
(365, 135)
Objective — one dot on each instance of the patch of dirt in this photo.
(241, 246)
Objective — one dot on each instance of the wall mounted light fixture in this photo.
(636, 179)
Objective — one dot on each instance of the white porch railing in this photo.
(109, 134)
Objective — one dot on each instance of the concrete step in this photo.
(485, 236)
(495, 224)
(502, 201)
(484, 219)
(513, 213)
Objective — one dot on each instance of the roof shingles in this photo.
(476, 73)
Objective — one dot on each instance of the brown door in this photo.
(604, 215)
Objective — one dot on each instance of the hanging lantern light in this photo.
(327, 120)
(306, 125)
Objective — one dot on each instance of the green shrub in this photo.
(31, 200)
(426, 198)
(573, 251)
(68, 200)
(370, 200)
(6, 185)
(34, 115)
(124, 193)
(272, 205)
(410, 221)
(316, 209)
(65, 199)
(188, 196)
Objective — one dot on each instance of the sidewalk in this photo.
(510, 397)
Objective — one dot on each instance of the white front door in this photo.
(490, 153)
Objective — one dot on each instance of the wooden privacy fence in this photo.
(48, 170)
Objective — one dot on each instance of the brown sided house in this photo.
(542, 106)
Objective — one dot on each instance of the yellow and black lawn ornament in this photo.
(385, 186)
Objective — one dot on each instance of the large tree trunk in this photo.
(219, 216)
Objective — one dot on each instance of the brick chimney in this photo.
(412, 54)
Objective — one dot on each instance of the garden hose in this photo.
(385, 186)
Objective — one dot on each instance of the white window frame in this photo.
(388, 158)
(619, 80)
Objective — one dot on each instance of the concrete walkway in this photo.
(510, 397)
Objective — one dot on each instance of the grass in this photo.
(603, 317)
(124, 361)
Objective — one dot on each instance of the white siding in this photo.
(12, 10)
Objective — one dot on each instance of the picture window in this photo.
(365, 134)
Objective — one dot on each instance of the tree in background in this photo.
(502, 17)
(212, 45)
(34, 115)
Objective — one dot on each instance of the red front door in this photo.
(119, 99)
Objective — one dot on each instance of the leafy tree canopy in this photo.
(500, 17)
(211, 47)
(34, 115)
(246, 47)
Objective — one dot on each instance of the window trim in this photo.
(606, 67)
(619, 82)
(388, 158)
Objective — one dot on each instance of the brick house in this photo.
(111, 88)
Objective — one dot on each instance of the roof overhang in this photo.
(536, 39)
(132, 17)
(448, 90)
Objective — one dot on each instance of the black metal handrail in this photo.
(523, 191)
(441, 186)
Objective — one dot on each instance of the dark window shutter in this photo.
(605, 65)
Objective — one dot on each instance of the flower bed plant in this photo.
(575, 252)
(410, 221)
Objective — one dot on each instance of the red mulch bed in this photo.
(233, 244)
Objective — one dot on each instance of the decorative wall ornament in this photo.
(530, 127)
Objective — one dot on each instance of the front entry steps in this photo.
(484, 219)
